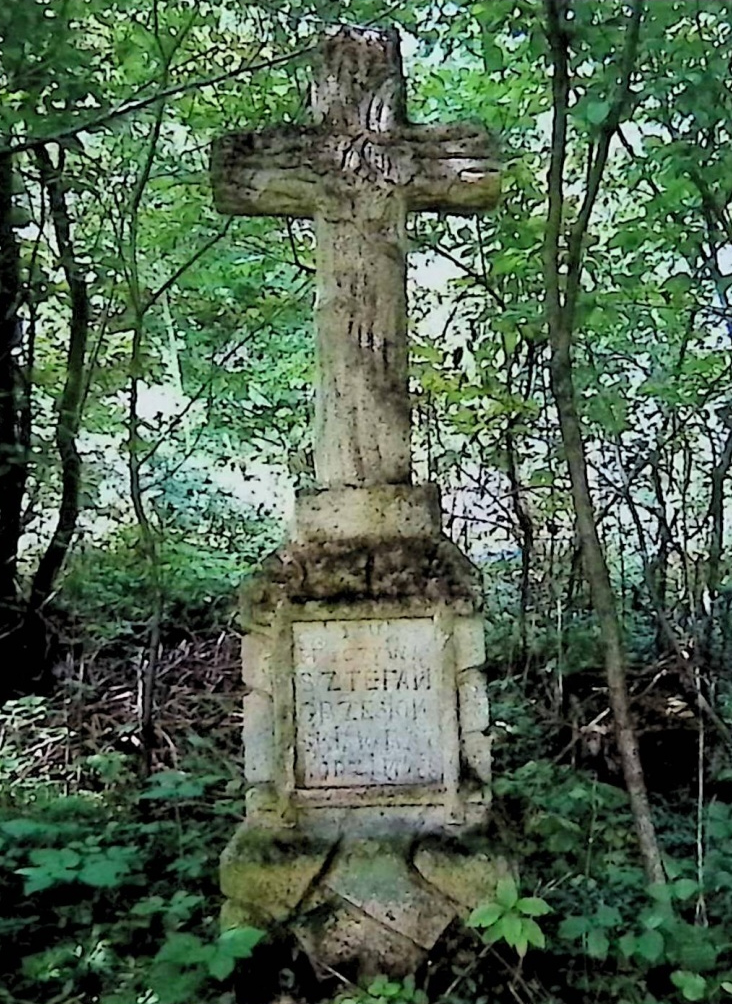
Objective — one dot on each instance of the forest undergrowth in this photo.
(109, 852)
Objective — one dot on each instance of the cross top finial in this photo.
(357, 172)
(371, 61)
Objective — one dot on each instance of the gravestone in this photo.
(365, 755)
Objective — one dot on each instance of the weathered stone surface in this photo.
(476, 752)
(382, 512)
(469, 642)
(429, 568)
(377, 821)
(465, 877)
(473, 693)
(271, 871)
(358, 172)
(358, 946)
(259, 747)
(234, 914)
(367, 695)
(373, 876)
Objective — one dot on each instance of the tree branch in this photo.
(130, 107)
(595, 174)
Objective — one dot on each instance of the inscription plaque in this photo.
(367, 699)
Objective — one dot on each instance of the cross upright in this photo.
(357, 171)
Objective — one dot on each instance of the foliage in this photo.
(111, 584)
(385, 991)
(510, 918)
(106, 893)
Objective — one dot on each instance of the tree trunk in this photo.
(13, 459)
(659, 568)
(716, 544)
(526, 528)
(70, 402)
(562, 294)
(603, 600)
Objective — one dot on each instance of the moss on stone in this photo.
(271, 871)
(429, 568)
(466, 869)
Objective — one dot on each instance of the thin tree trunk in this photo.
(526, 528)
(716, 542)
(659, 567)
(148, 534)
(561, 316)
(13, 459)
(69, 409)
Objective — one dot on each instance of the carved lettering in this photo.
(367, 702)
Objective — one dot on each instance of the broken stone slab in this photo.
(347, 941)
(375, 877)
(359, 906)
(269, 873)
(466, 873)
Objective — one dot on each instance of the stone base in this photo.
(360, 906)
(365, 721)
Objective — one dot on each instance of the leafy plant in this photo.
(510, 918)
(382, 990)
(184, 961)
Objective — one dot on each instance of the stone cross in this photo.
(357, 171)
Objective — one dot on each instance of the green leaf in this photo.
(572, 928)
(512, 928)
(506, 892)
(692, 986)
(656, 917)
(485, 915)
(597, 112)
(697, 951)
(598, 944)
(171, 784)
(18, 829)
(240, 942)
(627, 945)
(660, 891)
(684, 888)
(106, 869)
(52, 866)
(494, 932)
(221, 965)
(510, 341)
(61, 858)
(533, 906)
(173, 985)
(184, 949)
(148, 907)
(534, 934)
(650, 946)
(608, 916)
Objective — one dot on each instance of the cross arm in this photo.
(266, 173)
(450, 168)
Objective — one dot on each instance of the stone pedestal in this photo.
(364, 724)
